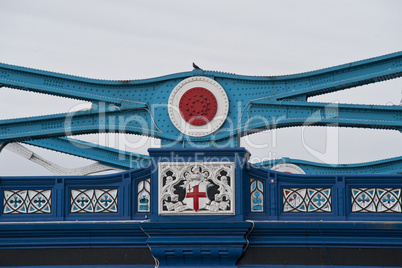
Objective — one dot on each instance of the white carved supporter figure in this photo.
(224, 189)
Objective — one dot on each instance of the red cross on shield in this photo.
(196, 195)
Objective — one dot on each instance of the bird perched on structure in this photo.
(196, 67)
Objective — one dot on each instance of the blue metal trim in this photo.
(113, 234)
(265, 233)
(319, 233)
(70, 234)
(311, 266)
(194, 244)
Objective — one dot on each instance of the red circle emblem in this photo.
(198, 106)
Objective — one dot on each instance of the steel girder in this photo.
(146, 101)
(53, 167)
(104, 155)
(255, 103)
(126, 160)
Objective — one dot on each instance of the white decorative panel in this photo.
(376, 199)
(144, 195)
(27, 201)
(93, 200)
(256, 195)
(196, 188)
(307, 200)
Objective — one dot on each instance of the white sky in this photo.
(141, 39)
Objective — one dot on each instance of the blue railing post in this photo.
(127, 195)
(59, 198)
(340, 197)
(274, 196)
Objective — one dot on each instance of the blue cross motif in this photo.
(83, 201)
(40, 201)
(363, 199)
(106, 200)
(388, 199)
(16, 201)
(319, 200)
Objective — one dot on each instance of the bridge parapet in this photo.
(281, 196)
(239, 191)
(122, 196)
(203, 207)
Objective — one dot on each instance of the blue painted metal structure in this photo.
(126, 183)
(213, 241)
(275, 214)
(280, 100)
(128, 160)
(256, 104)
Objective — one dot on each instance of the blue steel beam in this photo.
(278, 87)
(127, 160)
(67, 85)
(104, 155)
(384, 166)
(83, 122)
(245, 93)
(260, 115)
(302, 86)
(277, 114)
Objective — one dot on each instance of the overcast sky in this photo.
(140, 39)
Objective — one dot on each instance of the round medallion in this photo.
(288, 168)
(198, 106)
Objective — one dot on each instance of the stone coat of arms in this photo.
(196, 188)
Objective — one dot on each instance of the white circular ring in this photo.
(288, 168)
(221, 113)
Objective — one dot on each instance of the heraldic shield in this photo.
(196, 188)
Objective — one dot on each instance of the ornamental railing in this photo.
(270, 196)
(123, 196)
(281, 196)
